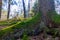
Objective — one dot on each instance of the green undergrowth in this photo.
(23, 24)
(8, 22)
(55, 32)
(54, 16)
(25, 36)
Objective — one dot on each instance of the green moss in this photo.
(8, 22)
(24, 24)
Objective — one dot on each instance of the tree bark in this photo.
(45, 6)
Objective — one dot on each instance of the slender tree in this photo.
(28, 6)
(0, 7)
(8, 9)
(36, 7)
(24, 9)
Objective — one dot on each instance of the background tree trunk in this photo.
(8, 9)
(28, 7)
(24, 9)
(0, 7)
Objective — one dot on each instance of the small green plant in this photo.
(54, 31)
(25, 37)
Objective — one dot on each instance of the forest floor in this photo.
(41, 37)
(1, 27)
(3, 17)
